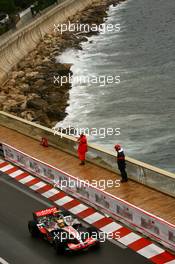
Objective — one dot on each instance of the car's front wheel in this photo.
(33, 229)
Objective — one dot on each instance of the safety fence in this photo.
(144, 222)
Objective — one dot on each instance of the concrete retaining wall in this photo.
(14, 47)
(138, 171)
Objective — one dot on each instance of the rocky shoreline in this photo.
(30, 91)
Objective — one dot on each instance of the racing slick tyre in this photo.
(33, 229)
(95, 234)
(59, 246)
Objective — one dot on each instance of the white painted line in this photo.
(26, 179)
(128, 239)
(150, 251)
(93, 218)
(3, 261)
(6, 168)
(78, 209)
(16, 173)
(63, 200)
(170, 262)
(50, 193)
(110, 228)
(38, 185)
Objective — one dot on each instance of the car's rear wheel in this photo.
(93, 232)
(33, 229)
(59, 246)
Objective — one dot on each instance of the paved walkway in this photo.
(143, 197)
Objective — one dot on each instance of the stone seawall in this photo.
(15, 47)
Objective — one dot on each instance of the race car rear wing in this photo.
(48, 211)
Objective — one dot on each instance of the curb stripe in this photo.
(16, 173)
(150, 251)
(3, 164)
(111, 228)
(71, 204)
(38, 185)
(171, 262)
(21, 176)
(124, 231)
(162, 258)
(6, 168)
(50, 193)
(44, 189)
(63, 200)
(102, 222)
(32, 182)
(26, 179)
(86, 212)
(11, 170)
(93, 217)
(141, 245)
(128, 239)
(78, 209)
(57, 196)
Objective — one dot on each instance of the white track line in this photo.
(110, 228)
(63, 200)
(50, 193)
(93, 218)
(16, 173)
(26, 179)
(78, 209)
(6, 168)
(3, 261)
(150, 251)
(170, 262)
(128, 239)
(38, 185)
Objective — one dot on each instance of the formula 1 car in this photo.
(63, 231)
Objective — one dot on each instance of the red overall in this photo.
(82, 147)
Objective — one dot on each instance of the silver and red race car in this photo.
(62, 231)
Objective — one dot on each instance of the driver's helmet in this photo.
(61, 223)
(69, 220)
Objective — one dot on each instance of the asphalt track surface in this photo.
(17, 203)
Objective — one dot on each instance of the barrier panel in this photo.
(146, 223)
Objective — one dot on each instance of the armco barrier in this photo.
(143, 173)
(150, 225)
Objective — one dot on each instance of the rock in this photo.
(24, 105)
(15, 109)
(28, 115)
(53, 98)
(2, 98)
(21, 74)
(54, 113)
(39, 82)
(25, 88)
(31, 74)
(37, 103)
